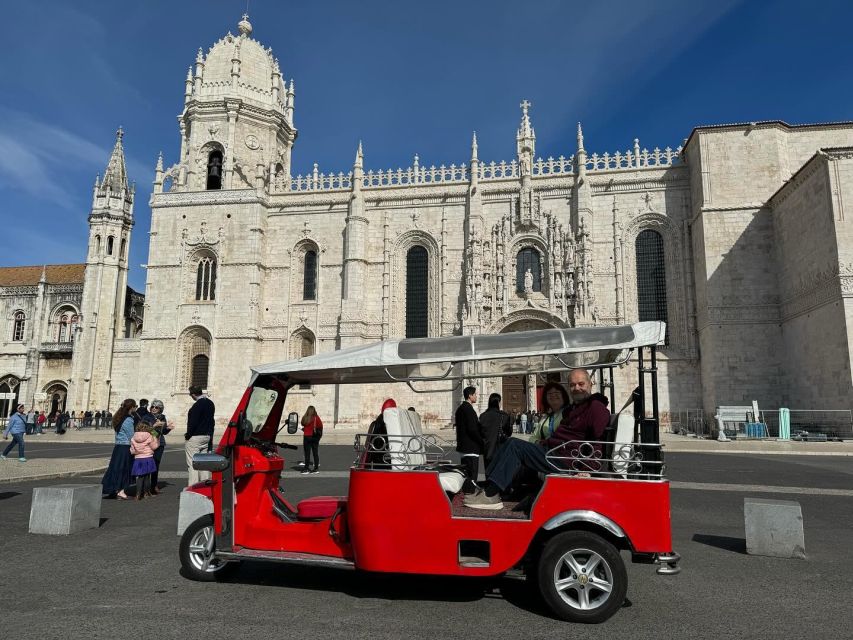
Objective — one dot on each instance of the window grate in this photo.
(651, 277)
(198, 373)
(417, 293)
(18, 328)
(309, 279)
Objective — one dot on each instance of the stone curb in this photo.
(55, 474)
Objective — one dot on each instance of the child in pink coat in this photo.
(142, 447)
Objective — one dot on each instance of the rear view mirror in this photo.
(292, 422)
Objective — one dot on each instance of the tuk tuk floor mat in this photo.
(459, 510)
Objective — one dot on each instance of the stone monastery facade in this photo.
(739, 240)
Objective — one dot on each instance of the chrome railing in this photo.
(636, 461)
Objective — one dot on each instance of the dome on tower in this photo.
(239, 66)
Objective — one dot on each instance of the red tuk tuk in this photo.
(568, 538)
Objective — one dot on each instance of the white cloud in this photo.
(36, 154)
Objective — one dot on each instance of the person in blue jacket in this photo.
(16, 427)
(117, 476)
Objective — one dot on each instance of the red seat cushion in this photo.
(319, 507)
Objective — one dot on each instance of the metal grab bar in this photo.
(422, 379)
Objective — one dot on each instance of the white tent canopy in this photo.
(470, 356)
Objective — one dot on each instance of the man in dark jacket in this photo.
(199, 435)
(585, 421)
(469, 441)
(495, 427)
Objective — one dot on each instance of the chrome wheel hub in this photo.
(583, 579)
(201, 551)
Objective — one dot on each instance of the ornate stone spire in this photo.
(115, 177)
(526, 135)
(474, 148)
(580, 157)
(359, 157)
(526, 146)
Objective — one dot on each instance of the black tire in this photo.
(582, 596)
(192, 558)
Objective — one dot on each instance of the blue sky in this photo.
(404, 77)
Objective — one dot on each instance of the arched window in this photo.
(97, 245)
(214, 170)
(194, 357)
(9, 385)
(66, 321)
(309, 276)
(302, 346)
(205, 280)
(651, 276)
(123, 248)
(18, 323)
(528, 258)
(110, 242)
(417, 292)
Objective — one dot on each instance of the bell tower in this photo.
(236, 126)
(104, 285)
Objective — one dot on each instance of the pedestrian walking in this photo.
(199, 435)
(142, 447)
(117, 477)
(31, 422)
(162, 426)
(17, 428)
(312, 431)
(40, 420)
(523, 428)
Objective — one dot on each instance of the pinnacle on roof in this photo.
(526, 129)
(359, 156)
(115, 176)
(580, 137)
(244, 26)
(474, 147)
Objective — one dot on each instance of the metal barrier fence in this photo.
(690, 422)
(813, 424)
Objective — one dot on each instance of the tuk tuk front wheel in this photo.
(196, 552)
(582, 577)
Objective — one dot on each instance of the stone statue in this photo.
(570, 286)
(528, 281)
(558, 287)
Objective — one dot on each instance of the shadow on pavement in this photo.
(5, 495)
(380, 586)
(726, 543)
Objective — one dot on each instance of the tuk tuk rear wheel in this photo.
(196, 552)
(582, 577)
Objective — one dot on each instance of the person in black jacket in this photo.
(199, 435)
(469, 441)
(495, 426)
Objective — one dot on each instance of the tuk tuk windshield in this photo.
(261, 404)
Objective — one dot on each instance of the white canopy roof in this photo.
(470, 356)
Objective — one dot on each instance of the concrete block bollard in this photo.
(64, 509)
(192, 506)
(774, 528)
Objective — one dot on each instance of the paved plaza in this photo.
(126, 573)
